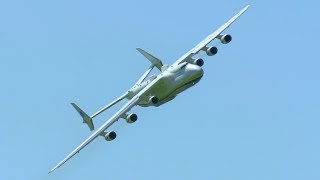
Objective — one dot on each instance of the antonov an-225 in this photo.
(157, 90)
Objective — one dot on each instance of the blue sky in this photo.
(254, 115)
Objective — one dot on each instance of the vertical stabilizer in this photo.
(155, 61)
(86, 119)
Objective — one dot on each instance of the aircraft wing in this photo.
(132, 102)
(210, 38)
(107, 124)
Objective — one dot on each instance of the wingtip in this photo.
(245, 9)
(53, 169)
(139, 49)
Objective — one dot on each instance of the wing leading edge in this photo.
(210, 38)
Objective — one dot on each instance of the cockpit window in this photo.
(179, 67)
(183, 65)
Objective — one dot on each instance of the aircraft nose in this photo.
(194, 69)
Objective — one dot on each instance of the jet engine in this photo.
(225, 38)
(198, 62)
(211, 50)
(110, 135)
(131, 118)
(153, 100)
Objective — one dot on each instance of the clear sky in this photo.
(254, 115)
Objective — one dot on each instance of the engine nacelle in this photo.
(131, 118)
(198, 62)
(225, 38)
(153, 100)
(211, 50)
(110, 135)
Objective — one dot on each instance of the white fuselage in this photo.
(168, 84)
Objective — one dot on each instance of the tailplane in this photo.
(86, 119)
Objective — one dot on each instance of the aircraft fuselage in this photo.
(168, 84)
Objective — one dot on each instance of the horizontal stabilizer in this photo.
(86, 119)
(155, 61)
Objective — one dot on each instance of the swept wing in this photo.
(209, 38)
(132, 102)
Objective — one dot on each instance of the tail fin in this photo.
(155, 61)
(86, 119)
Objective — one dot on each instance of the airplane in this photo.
(158, 89)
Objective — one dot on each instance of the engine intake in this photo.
(198, 62)
(153, 100)
(131, 118)
(110, 135)
(225, 38)
(211, 50)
